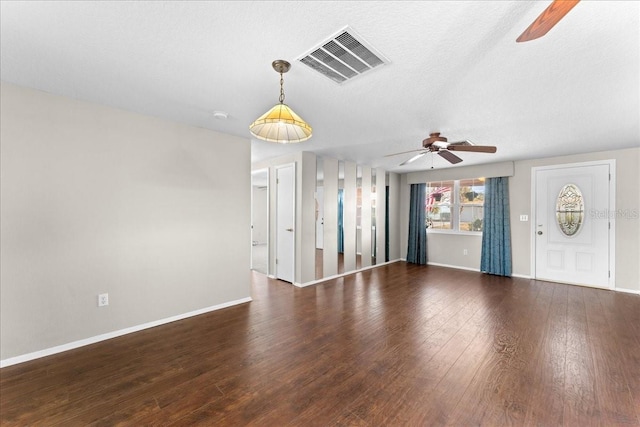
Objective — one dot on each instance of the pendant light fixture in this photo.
(280, 124)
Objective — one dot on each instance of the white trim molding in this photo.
(628, 291)
(458, 267)
(92, 340)
(337, 276)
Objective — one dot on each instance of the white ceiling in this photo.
(454, 68)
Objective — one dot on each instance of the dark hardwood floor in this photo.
(399, 345)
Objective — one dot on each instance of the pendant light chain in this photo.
(281, 89)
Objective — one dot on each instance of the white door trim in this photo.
(610, 213)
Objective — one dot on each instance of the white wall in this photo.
(330, 186)
(96, 200)
(260, 214)
(306, 211)
(448, 249)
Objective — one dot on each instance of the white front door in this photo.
(285, 221)
(572, 246)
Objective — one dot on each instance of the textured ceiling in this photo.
(454, 68)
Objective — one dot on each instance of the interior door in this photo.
(573, 246)
(285, 221)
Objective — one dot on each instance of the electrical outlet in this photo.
(103, 299)
(465, 252)
(524, 218)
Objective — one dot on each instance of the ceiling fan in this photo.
(547, 19)
(438, 144)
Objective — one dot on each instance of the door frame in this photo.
(295, 227)
(611, 213)
(268, 219)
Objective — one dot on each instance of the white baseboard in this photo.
(521, 276)
(524, 276)
(437, 264)
(324, 279)
(92, 340)
(627, 291)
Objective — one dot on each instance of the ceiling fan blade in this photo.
(414, 158)
(474, 148)
(465, 142)
(450, 157)
(404, 152)
(547, 19)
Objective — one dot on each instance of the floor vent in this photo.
(343, 57)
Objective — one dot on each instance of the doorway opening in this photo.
(260, 221)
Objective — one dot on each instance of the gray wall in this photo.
(99, 200)
(448, 249)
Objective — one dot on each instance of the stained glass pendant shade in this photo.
(281, 124)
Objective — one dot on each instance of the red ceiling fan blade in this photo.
(547, 19)
(450, 157)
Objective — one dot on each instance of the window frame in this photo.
(455, 204)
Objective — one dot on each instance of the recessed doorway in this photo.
(260, 221)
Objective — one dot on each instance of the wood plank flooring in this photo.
(399, 345)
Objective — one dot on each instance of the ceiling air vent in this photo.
(343, 57)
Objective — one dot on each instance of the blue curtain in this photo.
(341, 221)
(496, 233)
(417, 247)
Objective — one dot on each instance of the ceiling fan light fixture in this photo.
(439, 144)
(281, 124)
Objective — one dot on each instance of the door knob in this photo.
(289, 229)
(539, 233)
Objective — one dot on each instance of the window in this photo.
(570, 209)
(455, 206)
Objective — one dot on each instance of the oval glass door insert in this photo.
(570, 209)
